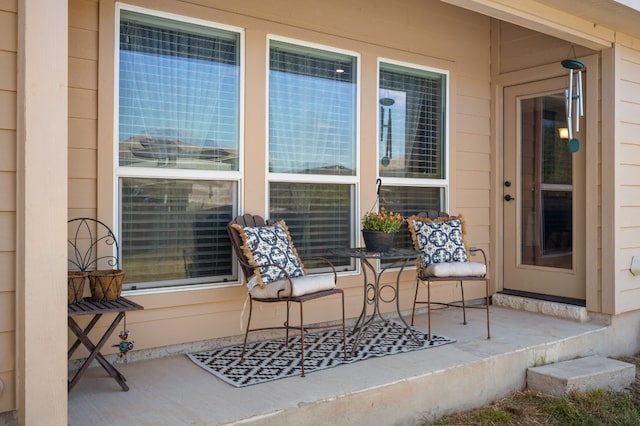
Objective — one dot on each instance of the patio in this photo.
(402, 389)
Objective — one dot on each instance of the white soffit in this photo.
(545, 19)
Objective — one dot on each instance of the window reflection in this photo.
(546, 184)
(412, 113)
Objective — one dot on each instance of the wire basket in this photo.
(106, 285)
(75, 284)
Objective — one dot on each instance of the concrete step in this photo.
(584, 374)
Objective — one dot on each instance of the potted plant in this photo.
(379, 229)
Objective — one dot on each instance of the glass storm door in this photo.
(543, 195)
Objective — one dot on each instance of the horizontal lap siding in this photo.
(83, 104)
(425, 33)
(471, 138)
(627, 176)
(8, 149)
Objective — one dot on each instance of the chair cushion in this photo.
(440, 240)
(270, 245)
(301, 285)
(455, 269)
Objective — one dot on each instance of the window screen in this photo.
(411, 122)
(312, 132)
(174, 231)
(409, 201)
(178, 94)
(319, 217)
(411, 142)
(178, 108)
(312, 115)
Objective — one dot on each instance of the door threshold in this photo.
(546, 297)
(547, 305)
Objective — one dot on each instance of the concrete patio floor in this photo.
(402, 389)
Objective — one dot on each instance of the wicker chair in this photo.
(288, 289)
(459, 271)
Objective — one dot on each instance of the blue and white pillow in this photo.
(267, 246)
(439, 241)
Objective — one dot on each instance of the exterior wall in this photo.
(454, 40)
(83, 112)
(8, 147)
(626, 217)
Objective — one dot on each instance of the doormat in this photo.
(271, 359)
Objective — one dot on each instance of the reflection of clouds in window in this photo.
(178, 98)
(311, 123)
(312, 111)
(178, 94)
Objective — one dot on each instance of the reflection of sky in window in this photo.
(192, 100)
(311, 122)
(398, 113)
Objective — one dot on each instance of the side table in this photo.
(373, 290)
(97, 309)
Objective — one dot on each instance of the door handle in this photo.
(508, 197)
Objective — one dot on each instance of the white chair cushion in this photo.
(456, 269)
(301, 286)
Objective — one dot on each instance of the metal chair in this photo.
(460, 272)
(290, 289)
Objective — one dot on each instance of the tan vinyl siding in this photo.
(8, 87)
(455, 41)
(83, 107)
(627, 177)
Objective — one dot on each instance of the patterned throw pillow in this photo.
(270, 245)
(440, 240)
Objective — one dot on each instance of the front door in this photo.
(543, 195)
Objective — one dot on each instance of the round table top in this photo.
(362, 252)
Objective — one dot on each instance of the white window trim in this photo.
(227, 175)
(416, 182)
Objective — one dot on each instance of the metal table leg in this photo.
(83, 337)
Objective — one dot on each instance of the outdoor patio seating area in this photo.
(406, 388)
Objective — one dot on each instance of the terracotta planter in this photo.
(106, 285)
(378, 240)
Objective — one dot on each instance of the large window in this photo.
(412, 139)
(178, 130)
(312, 145)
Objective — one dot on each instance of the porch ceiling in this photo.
(590, 23)
(608, 13)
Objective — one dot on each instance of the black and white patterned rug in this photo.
(271, 359)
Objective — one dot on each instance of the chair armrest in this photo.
(328, 263)
(474, 250)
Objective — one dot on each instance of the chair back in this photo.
(92, 245)
(432, 214)
(236, 239)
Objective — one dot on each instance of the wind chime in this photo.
(386, 102)
(574, 100)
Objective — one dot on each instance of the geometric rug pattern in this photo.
(272, 359)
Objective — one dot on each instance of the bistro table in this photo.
(97, 309)
(373, 290)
